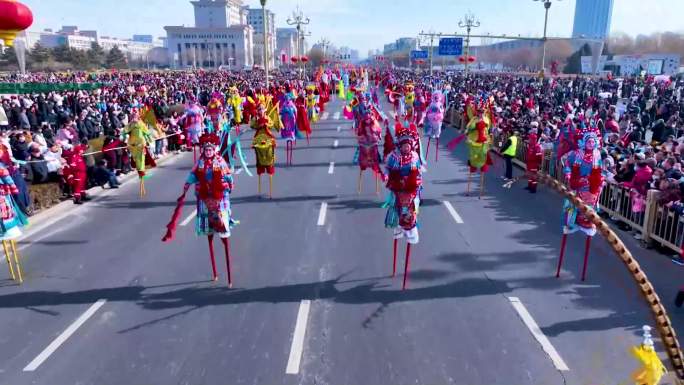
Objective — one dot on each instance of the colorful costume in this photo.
(192, 123)
(264, 143)
(213, 183)
(369, 135)
(433, 123)
(535, 155)
(303, 124)
(480, 120)
(405, 184)
(312, 104)
(13, 220)
(76, 172)
(138, 140)
(288, 114)
(583, 173)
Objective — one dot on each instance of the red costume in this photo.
(535, 154)
(76, 172)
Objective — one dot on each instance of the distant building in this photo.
(144, 38)
(221, 36)
(403, 44)
(630, 65)
(286, 43)
(255, 18)
(72, 37)
(592, 19)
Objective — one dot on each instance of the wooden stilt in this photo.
(427, 150)
(13, 243)
(377, 184)
(394, 258)
(226, 247)
(562, 254)
(406, 265)
(360, 174)
(436, 149)
(259, 184)
(9, 260)
(470, 175)
(214, 276)
(270, 186)
(587, 245)
(481, 184)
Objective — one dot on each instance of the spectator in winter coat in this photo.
(38, 166)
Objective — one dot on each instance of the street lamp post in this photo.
(298, 19)
(547, 5)
(265, 26)
(325, 43)
(468, 23)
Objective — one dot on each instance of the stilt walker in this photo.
(303, 123)
(264, 145)
(192, 124)
(404, 184)
(213, 182)
(13, 220)
(583, 175)
(138, 138)
(478, 139)
(312, 109)
(433, 123)
(288, 114)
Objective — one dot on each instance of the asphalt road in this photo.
(317, 286)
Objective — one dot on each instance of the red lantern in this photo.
(304, 59)
(14, 18)
(294, 59)
(461, 59)
(471, 59)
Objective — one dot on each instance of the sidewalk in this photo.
(46, 218)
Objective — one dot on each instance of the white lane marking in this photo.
(538, 334)
(297, 347)
(33, 365)
(325, 115)
(453, 212)
(321, 214)
(336, 115)
(335, 143)
(189, 218)
(339, 128)
(331, 169)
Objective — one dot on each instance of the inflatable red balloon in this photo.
(461, 59)
(14, 18)
(294, 59)
(304, 59)
(471, 59)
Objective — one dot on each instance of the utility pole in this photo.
(432, 35)
(299, 19)
(547, 5)
(468, 22)
(265, 26)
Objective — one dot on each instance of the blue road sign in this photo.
(450, 46)
(419, 54)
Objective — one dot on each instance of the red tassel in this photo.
(455, 142)
(173, 223)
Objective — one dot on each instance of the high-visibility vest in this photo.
(510, 151)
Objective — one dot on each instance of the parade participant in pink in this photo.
(433, 123)
(192, 124)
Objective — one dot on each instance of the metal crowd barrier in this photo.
(656, 223)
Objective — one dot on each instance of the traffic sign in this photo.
(450, 46)
(419, 54)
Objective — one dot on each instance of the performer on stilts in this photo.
(138, 140)
(404, 171)
(192, 125)
(264, 145)
(478, 139)
(13, 220)
(433, 123)
(583, 175)
(213, 182)
(303, 123)
(369, 136)
(288, 114)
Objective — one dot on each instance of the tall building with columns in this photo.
(255, 18)
(221, 37)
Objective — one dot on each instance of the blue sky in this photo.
(360, 24)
